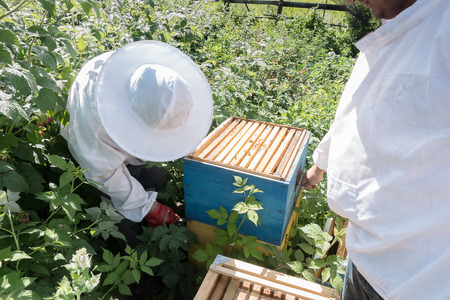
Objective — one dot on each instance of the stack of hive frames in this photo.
(229, 279)
(253, 146)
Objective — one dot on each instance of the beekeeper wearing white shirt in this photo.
(146, 101)
(387, 156)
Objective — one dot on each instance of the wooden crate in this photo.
(233, 279)
(270, 156)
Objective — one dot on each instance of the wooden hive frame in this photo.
(229, 279)
(252, 146)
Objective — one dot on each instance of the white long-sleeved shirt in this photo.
(93, 149)
(387, 155)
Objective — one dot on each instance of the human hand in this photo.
(312, 177)
(162, 215)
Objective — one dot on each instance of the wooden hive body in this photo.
(270, 156)
(231, 279)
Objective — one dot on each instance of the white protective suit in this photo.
(104, 161)
(387, 155)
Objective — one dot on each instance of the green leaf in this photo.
(49, 6)
(164, 242)
(105, 268)
(296, 266)
(81, 44)
(122, 267)
(19, 255)
(46, 100)
(318, 263)
(5, 56)
(214, 213)
(143, 258)
(50, 42)
(313, 231)
(108, 256)
(223, 212)
(256, 254)
(221, 221)
(48, 59)
(116, 260)
(299, 255)
(309, 275)
(8, 37)
(125, 290)
(253, 217)
(22, 80)
(11, 109)
(231, 229)
(45, 80)
(233, 217)
(40, 269)
(221, 241)
(111, 278)
(86, 7)
(57, 161)
(136, 275)
(336, 281)
(326, 273)
(153, 262)
(200, 255)
(307, 248)
(170, 279)
(15, 182)
(65, 179)
(147, 270)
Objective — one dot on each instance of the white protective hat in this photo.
(153, 101)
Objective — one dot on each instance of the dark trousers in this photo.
(356, 286)
(151, 178)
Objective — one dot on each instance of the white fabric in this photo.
(387, 155)
(94, 150)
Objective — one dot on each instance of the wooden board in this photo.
(235, 279)
(253, 146)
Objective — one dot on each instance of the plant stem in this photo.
(52, 214)
(33, 40)
(14, 9)
(12, 230)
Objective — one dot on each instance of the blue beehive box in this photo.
(270, 156)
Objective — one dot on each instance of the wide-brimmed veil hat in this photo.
(153, 101)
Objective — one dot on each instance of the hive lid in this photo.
(253, 146)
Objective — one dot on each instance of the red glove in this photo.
(162, 215)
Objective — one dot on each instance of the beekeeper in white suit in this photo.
(146, 101)
(387, 155)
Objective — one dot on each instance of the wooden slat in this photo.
(233, 287)
(259, 143)
(241, 142)
(245, 152)
(213, 136)
(243, 290)
(221, 287)
(210, 145)
(274, 162)
(255, 292)
(278, 277)
(294, 154)
(272, 149)
(276, 285)
(207, 286)
(263, 149)
(227, 139)
(284, 161)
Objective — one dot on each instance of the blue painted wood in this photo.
(209, 186)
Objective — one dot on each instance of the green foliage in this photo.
(122, 271)
(170, 246)
(230, 240)
(289, 72)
